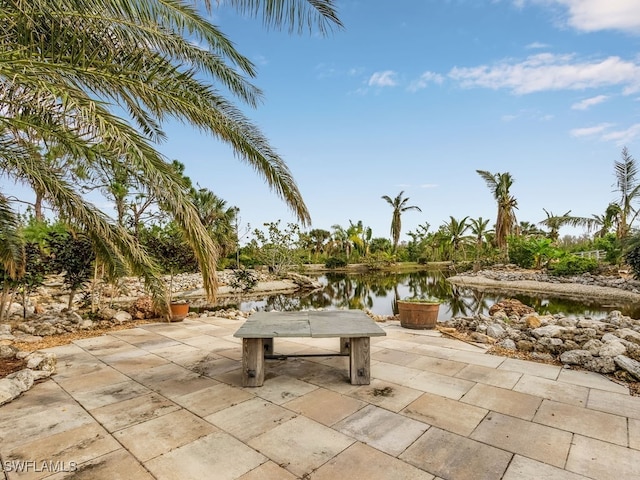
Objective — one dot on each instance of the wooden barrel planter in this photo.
(418, 315)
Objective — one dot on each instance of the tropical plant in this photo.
(276, 247)
(500, 185)
(628, 185)
(399, 206)
(554, 223)
(456, 229)
(69, 67)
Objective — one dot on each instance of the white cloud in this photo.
(383, 79)
(594, 15)
(429, 185)
(622, 137)
(536, 45)
(589, 102)
(590, 131)
(546, 71)
(424, 80)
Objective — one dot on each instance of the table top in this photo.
(316, 324)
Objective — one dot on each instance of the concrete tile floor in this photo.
(164, 401)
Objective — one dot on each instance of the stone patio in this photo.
(164, 401)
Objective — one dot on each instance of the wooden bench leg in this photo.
(360, 361)
(252, 362)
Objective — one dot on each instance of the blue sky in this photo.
(416, 95)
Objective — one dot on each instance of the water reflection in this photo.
(379, 293)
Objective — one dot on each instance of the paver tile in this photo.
(160, 435)
(268, 471)
(387, 395)
(550, 372)
(361, 461)
(634, 433)
(591, 380)
(546, 444)
(516, 404)
(282, 389)
(524, 468)
(102, 377)
(590, 423)
(624, 405)
(443, 385)
(117, 465)
(445, 413)
(17, 428)
(436, 365)
(489, 376)
(560, 392)
(64, 450)
(300, 445)
(397, 357)
(212, 399)
(250, 418)
(216, 454)
(117, 416)
(602, 460)
(113, 393)
(452, 456)
(325, 406)
(387, 431)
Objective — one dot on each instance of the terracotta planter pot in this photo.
(179, 311)
(418, 316)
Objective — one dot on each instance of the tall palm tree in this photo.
(628, 184)
(499, 184)
(399, 206)
(68, 67)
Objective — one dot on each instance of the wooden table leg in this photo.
(345, 344)
(252, 362)
(360, 361)
(268, 346)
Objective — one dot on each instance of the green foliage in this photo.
(633, 260)
(169, 249)
(243, 280)
(378, 260)
(611, 245)
(335, 262)
(277, 247)
(73, 256)
(521, 252)
(573, 265)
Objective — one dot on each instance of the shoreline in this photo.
(567, 290)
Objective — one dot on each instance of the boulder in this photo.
(629, 365)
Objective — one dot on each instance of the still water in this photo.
(378, 292)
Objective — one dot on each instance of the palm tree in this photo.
(455, 230)
(399, 206)
(554, 223)
(479, 230)
(499, 184)
(67, 67)
(628, 185)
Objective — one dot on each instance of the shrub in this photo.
(521, 252)
(243, 279)
(573, 265)
(335, 262)
(633, 259)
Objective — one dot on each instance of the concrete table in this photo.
(353, 327)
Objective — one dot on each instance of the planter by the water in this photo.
(418, 315)
(179, 311)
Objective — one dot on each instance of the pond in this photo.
(378, 292)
